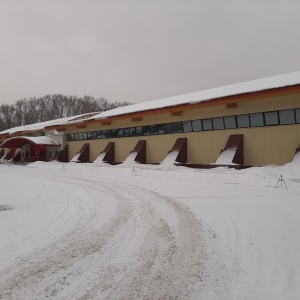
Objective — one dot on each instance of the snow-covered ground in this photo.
(89, 231)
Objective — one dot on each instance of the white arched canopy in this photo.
(38, 146)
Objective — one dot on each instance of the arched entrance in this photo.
(32, 148)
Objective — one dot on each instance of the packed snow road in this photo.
(124, 242)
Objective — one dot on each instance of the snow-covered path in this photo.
(91, 232)
(149, 247)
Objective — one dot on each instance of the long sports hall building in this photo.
(252, 123)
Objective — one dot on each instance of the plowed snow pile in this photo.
(85, 231)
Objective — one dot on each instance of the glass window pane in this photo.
(114, 133)
(177, 127)
(243, 121)
(161, 128)
(139, 130)
(256, 120)
(287, 116)
(271, 118)
(187, 126)
(207, 124)
(230, 122)
(197, 125)
(132, 131)
(121, 132)
(146, 130)
(90, 135)
(76, 137)
(117, 133)
(126, 131)
(153, 129)
(218, 123)
(99, 134)
(107, 134)
(297, 111)
(169, 127)
(82, 136)
(68, 137)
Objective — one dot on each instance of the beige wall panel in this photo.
(276, 103)
(193, 147)
(92, 127)
(219, 139)
(206, 153)
(96, 147)
(298, 136)
(123, 146)
(74, 147)
(289, 142)
(159, 146)
(254, 146)
(271, 145)
(160, 118)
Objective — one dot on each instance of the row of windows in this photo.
(282, 117)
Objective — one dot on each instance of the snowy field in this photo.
(88, 231)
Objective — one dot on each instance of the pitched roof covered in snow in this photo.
(42, 125)
(268, 83)
(205, 96)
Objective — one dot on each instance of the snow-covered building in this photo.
(249, 123)
(29, 143)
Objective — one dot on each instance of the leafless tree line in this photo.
(50, 107)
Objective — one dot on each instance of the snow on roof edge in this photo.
(43, 125)
(279, 81)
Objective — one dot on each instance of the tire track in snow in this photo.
(141, 252)
(48, 262)
(171, 259)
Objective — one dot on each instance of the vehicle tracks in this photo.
(150, 248)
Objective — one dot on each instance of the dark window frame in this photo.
(180, 129)
(211, 123)
(243, 115)
(297, 115)
(229, 118)
(222, 127)
(266, 118)
(190, 126)
(263, 119)
(285, 111)
(194, 122)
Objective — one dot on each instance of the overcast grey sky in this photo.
(135, 50)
